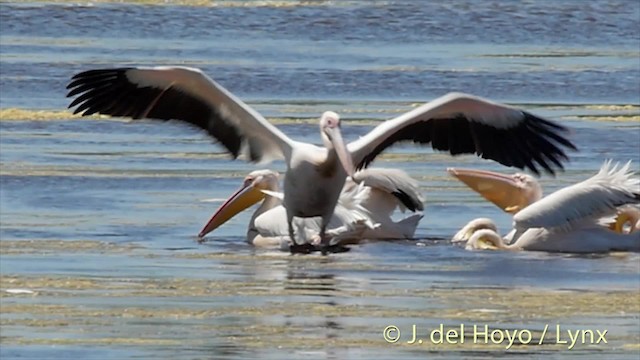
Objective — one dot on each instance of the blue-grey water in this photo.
(98, 216)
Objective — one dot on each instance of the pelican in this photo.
(567, 220)
(364, 209)
(512, 193)
(458, 123)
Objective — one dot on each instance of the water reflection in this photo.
(303, 283)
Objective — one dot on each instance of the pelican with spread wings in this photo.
(456, 122)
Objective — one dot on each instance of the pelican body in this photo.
(364, 209)
(568, 220)
(310, 182)
(595, 239)
(457, 123)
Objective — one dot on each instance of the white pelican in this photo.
(564, 221)
(513, 193)
(458, 123)
(363, 212)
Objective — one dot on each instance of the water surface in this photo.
(99, 216)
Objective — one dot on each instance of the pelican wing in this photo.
(179, 93)
(583, 202)
(273, 222)
(466, 124)
(395, 182)
(350, 209)
(349, 215)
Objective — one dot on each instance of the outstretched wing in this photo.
(466, 124)
(184, 94)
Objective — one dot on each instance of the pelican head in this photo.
(249, 193)
(627, 220)
(511, 193)
(472, 227)
(332, 138)
(485, 239)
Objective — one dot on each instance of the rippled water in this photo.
(99, 216)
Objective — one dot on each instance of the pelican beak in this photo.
(621, 220)
(341, 149)
(500, 189)
(246, 196)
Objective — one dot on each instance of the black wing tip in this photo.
(547, 168)
(550, 128)
(541, 145)
(409, 202)
(109, 91)
(84, 86)
(101, 72)
(551, 131)
(548, 123)
(364, 164)
(86, 76)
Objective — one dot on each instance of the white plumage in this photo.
(457, 123)
(568, 220)
(586, 201)
(363, 211)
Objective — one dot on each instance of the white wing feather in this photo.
(586, 201)
(394, 182)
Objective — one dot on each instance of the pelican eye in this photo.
(332, 122)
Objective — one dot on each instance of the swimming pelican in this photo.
(363, 212)
(513, 193)
(567, 220)
(458, 123)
